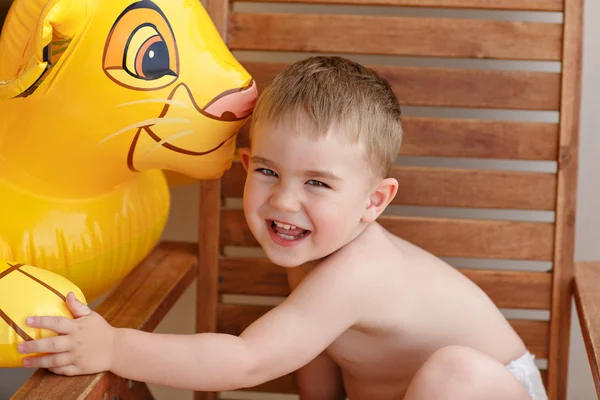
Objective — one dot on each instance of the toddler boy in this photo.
(370, 316)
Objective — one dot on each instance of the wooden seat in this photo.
(471, 174)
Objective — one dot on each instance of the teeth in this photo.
(288, 237)
(284, 226)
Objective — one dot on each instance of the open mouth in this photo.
(287, 231)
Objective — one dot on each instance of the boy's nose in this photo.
(284, 200)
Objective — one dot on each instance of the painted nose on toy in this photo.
(233, 105)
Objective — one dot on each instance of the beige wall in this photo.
(587, 240)
(181, 224)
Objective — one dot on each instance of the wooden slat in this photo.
(544, 374)
(444, 87)
(479, 139)
(587, 300)
(535, 334)
(419, 86)
(208, 249)
(365, 34)
(472, 138)
(444, 237)
(452, 188)
(514, 289)
(4, 6)
(476, 238)
(208, 267)
(234, 318)
(218, 10)
(475, 188)
(252, 276)
(523, 5)
(507, 289)
(564, 252)
(208, 223)
(140, 301)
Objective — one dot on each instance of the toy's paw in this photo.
(5, 251)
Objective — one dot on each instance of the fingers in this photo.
(59, 325)
(77, 308)
(50, 361)
(69, 370)
(55, 344)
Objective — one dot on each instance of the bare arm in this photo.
(283, 340)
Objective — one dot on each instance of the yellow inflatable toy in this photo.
(98, 97)
(28, 291)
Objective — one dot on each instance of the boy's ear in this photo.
(380, 198)
(245, 157)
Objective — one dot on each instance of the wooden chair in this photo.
(146, 295)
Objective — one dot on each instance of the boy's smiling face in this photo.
(304, 197)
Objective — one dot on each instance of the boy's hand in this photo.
(84, 344)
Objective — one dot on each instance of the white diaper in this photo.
(525, 370)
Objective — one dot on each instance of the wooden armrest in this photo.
(587, 299)
(140, 301)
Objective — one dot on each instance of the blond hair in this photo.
(333, 92)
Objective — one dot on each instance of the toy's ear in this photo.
(31, 29)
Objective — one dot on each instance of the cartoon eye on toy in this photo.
(141, 52)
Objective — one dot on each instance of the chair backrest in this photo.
(487, 170)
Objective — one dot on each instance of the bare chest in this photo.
(373, 367)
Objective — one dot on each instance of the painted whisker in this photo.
(170, 138)
(145, 123)
(155, 100)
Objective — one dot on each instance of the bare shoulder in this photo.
(373, 263)
(331, 286)
(373, 255)
(373, 238)
(348, 267)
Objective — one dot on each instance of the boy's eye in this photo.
(266, 171)
(313, 182)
